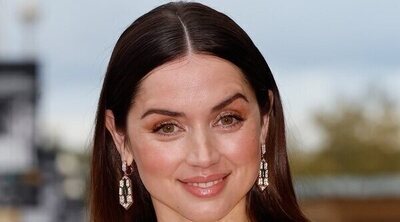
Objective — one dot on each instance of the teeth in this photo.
(205, 185)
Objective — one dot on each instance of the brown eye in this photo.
(227, 120)
(168, 128)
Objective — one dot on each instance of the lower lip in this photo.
(208, 192)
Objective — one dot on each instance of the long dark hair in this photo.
(166, 33)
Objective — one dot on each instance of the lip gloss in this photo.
(205, 187)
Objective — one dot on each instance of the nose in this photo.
(203, 150)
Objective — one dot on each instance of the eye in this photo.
(228, 120)
(167, 128)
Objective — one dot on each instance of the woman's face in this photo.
(195, 132)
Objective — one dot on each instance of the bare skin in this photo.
(195, 132)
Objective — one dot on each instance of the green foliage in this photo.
(361, 138)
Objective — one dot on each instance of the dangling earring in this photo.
(263, 173)
(125, 187)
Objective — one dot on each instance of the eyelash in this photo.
(237, 120)
(157, 128)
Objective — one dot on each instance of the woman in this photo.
(189, 125)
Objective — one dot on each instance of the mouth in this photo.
(205, 187)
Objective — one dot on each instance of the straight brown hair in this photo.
(164, 34)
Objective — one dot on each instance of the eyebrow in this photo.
(228, 101)
(220, 106)
(162, 112)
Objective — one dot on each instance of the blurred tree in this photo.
(361, 138)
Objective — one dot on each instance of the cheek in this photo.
(243, 147)
(154, 160)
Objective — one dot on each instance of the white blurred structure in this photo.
(17, 104)
(17, 85)
(25, 193)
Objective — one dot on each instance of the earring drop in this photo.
(125, 187)
(263, 172)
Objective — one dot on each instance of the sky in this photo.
(319, 51)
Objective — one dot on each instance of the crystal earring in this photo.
(263, 173)
(125, 187)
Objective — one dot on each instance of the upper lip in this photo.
(204, 179)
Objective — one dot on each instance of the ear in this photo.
(265, 118)
(119, 138)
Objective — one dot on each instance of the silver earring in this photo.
(263, 172)
(125, 187)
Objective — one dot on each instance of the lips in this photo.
(205, 186)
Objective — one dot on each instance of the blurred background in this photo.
(337, 64)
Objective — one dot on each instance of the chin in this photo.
(205, 218)
(209, 213)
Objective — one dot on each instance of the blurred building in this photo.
(29, 181)
(37, 183)
(350, 198)
(19, 174)
(18, 96)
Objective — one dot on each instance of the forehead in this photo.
(192, 80)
